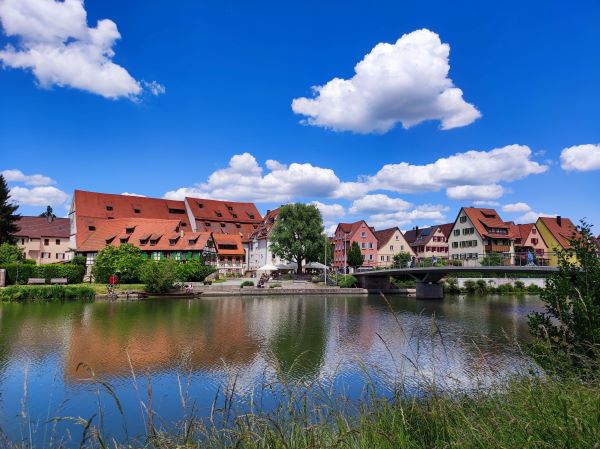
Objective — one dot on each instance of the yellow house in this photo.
(389, 243)
(556, 232)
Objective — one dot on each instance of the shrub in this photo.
(125, 260)
(78, 260)
(159, 276)
(247, 284)
(470, 286)
(482, 287)
(451, 286)
(275, 286)
(46, 292)
(519, 286)
(19, 273)
(401, 259)
(193, 271)
(73, 273)
(347, 281)
(10, 254)
(532, 288)
(505, 288)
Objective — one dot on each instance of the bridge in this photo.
(428, 278)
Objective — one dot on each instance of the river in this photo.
(61, 359)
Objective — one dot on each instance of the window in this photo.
(382, 258)
(234, 215)
(534, 241)
(172, 242)
(22, 241)
(136, 211)
(60, 256)
(237, 225)
(46, 242)
(222, 225)
(533, 231)
(156, 255)
(109, 208)
(177, 211)
(57, 241)
(457, 232)
(200, 205)
(391, 247)
(129, 230)
(45, 256)
(89, 258)
(219, 214)
(363, 234)
(463, 219)
(143, 242)
(229, 208)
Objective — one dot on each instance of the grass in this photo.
(101, 289)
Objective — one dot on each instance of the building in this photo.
(90, 210)
(556, 232)
(529, 240)
(389, 243)
(157, 239)
(429, 242)
(358, 232)
(479, 232)
(44, 239)
(259, 246)
(231, 255)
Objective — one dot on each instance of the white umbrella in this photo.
(268, 267)
(286, 266)
(316, 266)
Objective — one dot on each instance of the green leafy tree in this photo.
(401, 259)
(326, 249)
(10, 254)
(568, 330)
(49, 213)
(193, 271)
(8, 217)
(493, 260)
(158, 276)
(354, 256)
(123, 260)
(298, 233)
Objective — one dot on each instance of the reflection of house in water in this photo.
(195, 335)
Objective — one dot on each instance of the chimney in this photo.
(50, 218)
(417, 230)
(559, 220)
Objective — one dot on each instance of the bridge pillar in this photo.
(374, 284)
(433, 290)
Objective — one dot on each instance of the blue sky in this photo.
(163, 109)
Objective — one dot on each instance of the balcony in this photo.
(497, 248)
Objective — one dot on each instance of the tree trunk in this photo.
(299, 270)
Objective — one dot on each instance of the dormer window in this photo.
(219, 214)
(183, 225)
(124, 240)
(229, 208)
(153, 242)
(207, 224)
(143, 242)
(136, 210)
(129, 230)
(177, 211)
(237, 225)
(109, 208)
(234, 215)
(222, 225)
(91, 228)
(192, 241)
(251, 216)
(172, 242)
(200, 205)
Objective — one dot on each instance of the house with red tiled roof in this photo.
(479, 232)
(429, 242)
(231, 255)
(528, 239)
(390, 242)
(361, 233)
(44, 239)
(556, 231)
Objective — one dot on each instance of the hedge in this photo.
(46, 292)
(73, 273)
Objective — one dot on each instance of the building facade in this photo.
(429, 242)
(528, 240)
(556, 232)
(389, 243)
(231, 255)
(44, 239)
(478, 233)
(358, 232)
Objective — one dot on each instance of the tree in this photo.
(326, 248)
(401, 259)
(568, 330)
(10, 254)
(159, 276)
(193, 271)
(124, 260)
(8, 218)
(354, 256)
(298, 233)
(49, 213)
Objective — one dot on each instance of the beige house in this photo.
(45, 240)
(389, 243)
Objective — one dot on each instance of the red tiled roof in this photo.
(485, 219)
(446, 229)
(90, 206)
(384, 235)
(562, 232)
(37, 227)
(229, 239)
(351, 228)
(110, 232)
(266, 225)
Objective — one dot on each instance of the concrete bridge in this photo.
(428, 278)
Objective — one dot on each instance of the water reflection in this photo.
(456, 342)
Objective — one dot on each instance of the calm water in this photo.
(194, 348)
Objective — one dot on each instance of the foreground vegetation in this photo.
(46, 292)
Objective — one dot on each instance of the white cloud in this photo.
(507, 164)
(31, 180)
(478, 192)
(378, 203)
(56, 44)
(516, 207)
(482, 203)
(532, 216)
(132, 194)
(38, 196)
(401, 218)
(243, 180)
(581, 158)
(330, 211)
(405, 82)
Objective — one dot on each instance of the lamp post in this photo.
(326, 243)
(345, 256)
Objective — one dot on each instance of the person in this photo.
(413, 262)
(433, 261)
(189, 288)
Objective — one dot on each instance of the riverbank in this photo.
(46, 292)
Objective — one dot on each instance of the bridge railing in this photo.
(518, 259)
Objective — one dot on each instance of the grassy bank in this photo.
(46, 292)
(101, 289)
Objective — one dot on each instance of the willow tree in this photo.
(298, 234)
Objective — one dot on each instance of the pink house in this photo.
(358, 232)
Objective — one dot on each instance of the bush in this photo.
(470, 287)
(401, 259)
(534, 289)
(482, 287)
(10, 254)
(124, 260)
(275, 286)
(247, 284)
(347, 281)
(159, 276)
(73, 273)
(193, 271)
(451, 286)
(46, 292)
(78, 260)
